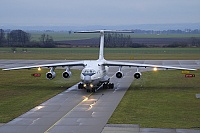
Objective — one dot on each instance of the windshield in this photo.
(89, 72)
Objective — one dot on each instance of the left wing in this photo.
(115, 63)
(75, 63)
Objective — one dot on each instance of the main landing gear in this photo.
(108, 86)
(91, 88)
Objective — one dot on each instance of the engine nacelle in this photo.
(50, 75)
(137, 75)
(66, 74)
(119, 74)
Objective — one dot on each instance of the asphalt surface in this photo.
(76, 111)
(180, 63)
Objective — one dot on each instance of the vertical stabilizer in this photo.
(101, 50)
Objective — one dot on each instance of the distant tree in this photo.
(42, 38)
(195, 42)
(47, 41)
(117, 40)
(18, 38)
(2, 37)
(70, 32)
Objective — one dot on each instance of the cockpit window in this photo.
(89, 72)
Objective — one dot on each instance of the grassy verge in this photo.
(20, 92)
(61, 36)
(110, 53)
(163, 99)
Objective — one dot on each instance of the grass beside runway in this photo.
(20, 92)
(110, 53)
(162, 99)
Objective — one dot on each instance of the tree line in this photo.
(115, 40)
(20, 38)
(178, 31)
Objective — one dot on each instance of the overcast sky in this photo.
(98, 12)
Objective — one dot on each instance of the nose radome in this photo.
(87, 79)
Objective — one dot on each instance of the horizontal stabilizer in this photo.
(106, 31)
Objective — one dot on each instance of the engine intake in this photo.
(119, 74)
(137, 75)
(50, 75)
(66, 74)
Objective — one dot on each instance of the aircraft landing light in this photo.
(155, 69)
(84, 85)
(91, 85)
(39, 69)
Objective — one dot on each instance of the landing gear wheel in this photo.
(105, 86)
(93, 90)
(80, 86)
(111, 86)
(88, 90)
(108, 86)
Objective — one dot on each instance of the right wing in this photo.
(75, 63)
(115, 63)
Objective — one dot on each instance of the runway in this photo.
(180, 63)
(75, 111)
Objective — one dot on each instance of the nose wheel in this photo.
(91, 90)
(80, 86)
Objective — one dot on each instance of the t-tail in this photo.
(102, 32)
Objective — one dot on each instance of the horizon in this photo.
(155, 27)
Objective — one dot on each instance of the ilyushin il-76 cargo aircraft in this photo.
(95, 72)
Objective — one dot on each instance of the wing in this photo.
(75, 63)
(114, 63)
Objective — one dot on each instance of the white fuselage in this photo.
(94, 73)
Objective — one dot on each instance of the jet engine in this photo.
(119, 74)
(50, 75)
(66, 74)
(137, 75)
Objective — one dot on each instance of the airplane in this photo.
(94, 74)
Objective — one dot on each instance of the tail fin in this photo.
(101, 50)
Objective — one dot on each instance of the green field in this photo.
(61, 36)
(110, 53)
(20, 92)
(162, 99)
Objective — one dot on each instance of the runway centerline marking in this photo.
(86, 98)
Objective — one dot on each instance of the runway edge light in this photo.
(185, 72)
